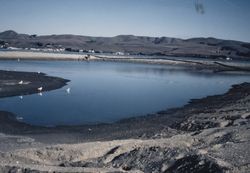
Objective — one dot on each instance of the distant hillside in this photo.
(194, 47)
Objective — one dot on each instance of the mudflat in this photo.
(22, 83)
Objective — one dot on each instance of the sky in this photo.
(226, 19)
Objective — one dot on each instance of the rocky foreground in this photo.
(206, 135)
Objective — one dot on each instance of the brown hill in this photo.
(194, 47)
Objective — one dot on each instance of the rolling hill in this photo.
(143, 45)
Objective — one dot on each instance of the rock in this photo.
(225, 123)
(246, 115)
(202, 151)
(194, 164)
(240, 122)
(166, 166)
(202, 162)
(126, 167)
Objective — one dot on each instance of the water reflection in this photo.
(107, 92)
(68, 90)
(160, 70)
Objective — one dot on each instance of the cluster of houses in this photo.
(59, 48)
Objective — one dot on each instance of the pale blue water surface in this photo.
(109, 91)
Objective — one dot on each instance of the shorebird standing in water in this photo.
(40, 91)
(19, 118)
(40, 88)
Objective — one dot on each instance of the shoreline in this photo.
(234, 93)
(210, 133)
(213, 130)
(199, 64)
(13, 83)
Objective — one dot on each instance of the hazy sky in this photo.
(228, 19)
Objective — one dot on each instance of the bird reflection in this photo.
(68, 90)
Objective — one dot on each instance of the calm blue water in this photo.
(107, 92)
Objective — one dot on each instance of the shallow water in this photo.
(108, 91)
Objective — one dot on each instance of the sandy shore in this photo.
(42, 56)
(207, 135)
(200, 64)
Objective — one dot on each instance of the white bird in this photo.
(68, 90)
(19, 118)
(40, 94)
(40, 88)
(21, 97)
(20, 83)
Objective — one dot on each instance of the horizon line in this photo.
(204, 37)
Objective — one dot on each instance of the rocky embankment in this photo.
(207, 135)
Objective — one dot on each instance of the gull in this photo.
(21, 97)
(19, 118)
(68, 90)
(40, 88)
(40, 94)
(20, 83)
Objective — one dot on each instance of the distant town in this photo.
(55, 49)
(128, 45)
